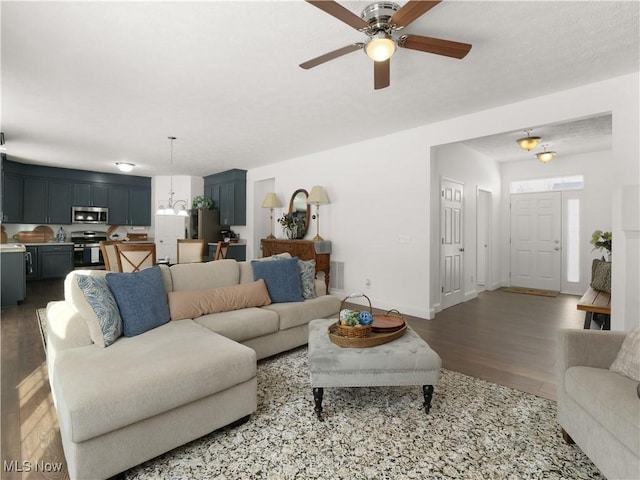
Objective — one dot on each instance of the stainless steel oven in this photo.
(86, 249)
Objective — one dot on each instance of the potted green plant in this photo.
(601, 241)
(201, 201)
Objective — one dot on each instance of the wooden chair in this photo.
(190, 251)
(221, 250)
(133, 257)
(110, 255)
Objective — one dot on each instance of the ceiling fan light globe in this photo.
(545, 157)
(380, 48)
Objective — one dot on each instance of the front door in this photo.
(536, 229)
(452, 242)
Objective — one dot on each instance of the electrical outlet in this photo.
(367, 282)
(404, 238)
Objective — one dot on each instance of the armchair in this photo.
(598, 408)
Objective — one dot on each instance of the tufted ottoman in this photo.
(407, 360)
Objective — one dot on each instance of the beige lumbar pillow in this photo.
(195, 303)
(628, 360)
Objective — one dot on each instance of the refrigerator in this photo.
(205, 224)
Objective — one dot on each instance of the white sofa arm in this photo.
(66, 328)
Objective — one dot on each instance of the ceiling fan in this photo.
(381, 22)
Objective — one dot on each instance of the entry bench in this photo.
(594, 302)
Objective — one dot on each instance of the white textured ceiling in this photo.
(569, 138)
(86, 84)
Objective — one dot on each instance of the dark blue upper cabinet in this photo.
(90, 195)
(40, 195)
(12, 198)
(229, 192)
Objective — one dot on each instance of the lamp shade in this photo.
(318, 196)
(271, 201)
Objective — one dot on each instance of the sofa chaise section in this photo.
(138, 398)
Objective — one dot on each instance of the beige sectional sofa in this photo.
(141, 396)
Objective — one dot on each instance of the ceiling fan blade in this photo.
(314, 62)
(438, 46)
(341, 13)
(381, 74)
(411, 11)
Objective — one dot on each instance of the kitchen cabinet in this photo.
(12, 198)
(139, 206)
(129, 205)
(118, 205)
(90, 195)
(48, 261)
(44, 195)
(13, 275)
(56, 261)
(236, 251)
(229, 192)
(46, 201)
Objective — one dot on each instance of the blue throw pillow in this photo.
(282, 278)
(141, 298)
(98, 295)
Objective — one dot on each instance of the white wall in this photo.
(458, 162)
(596, 199)
(380, 189)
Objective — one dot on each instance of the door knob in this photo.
(462, 249)
(557, 248)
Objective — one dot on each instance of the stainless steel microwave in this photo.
(89, 215)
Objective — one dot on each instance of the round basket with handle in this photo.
(356, 331)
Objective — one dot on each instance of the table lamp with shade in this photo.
(317, 197)
(271, 201)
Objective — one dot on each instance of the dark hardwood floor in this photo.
(505, 338)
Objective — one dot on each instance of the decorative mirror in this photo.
(299, 212)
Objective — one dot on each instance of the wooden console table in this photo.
(303, 249)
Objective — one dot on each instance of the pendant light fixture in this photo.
(545, 156)
(179, 206)
(528, 143)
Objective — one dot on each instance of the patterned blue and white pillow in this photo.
(307, 276)
(107, 321)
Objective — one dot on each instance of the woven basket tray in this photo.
(373, 340)
(359, 331)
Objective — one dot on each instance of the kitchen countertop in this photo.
(35, 244)
(11, 247)
(231, 244)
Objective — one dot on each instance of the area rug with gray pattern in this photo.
(475, 430)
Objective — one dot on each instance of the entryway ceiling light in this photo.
(545, 156)
(381, 47)
(528, 143)
(125, 166)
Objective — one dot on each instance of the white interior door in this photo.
(483, 227)
(452, 242)
(536, 240)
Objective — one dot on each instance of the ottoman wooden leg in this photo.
(317, 397)
(427, 390)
